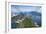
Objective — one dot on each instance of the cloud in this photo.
(19, 8)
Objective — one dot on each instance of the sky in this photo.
(25, 8)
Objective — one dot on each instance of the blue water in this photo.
(13, 24)
(36, 17)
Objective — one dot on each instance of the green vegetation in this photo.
(26, 23)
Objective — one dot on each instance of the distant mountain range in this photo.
(36, 16)
(31, 12)
(35, 13)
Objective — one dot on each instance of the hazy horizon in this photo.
(23, 8)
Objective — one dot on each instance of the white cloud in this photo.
(26, 9)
